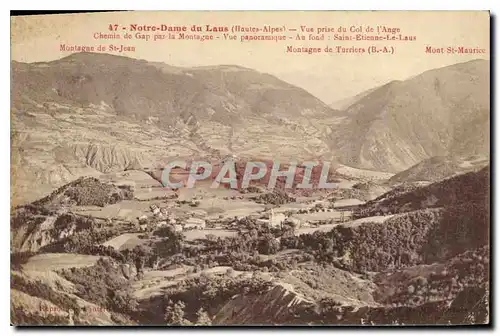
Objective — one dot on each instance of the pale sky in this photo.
(330, 77)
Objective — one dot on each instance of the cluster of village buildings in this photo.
(162, 217)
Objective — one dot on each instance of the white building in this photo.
(276, 219)
(262, 221)
(155, 209)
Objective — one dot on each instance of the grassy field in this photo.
(373, 219)
(229, 207)
(127, 210)
(147, 194)
(201, 234)
(363, 173)
(347, 202)
(324, 228)
(328, 227)
(136, 178)
(317, 216)
(55, 261)
(124, 241)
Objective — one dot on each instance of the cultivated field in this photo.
(124, 241)
(55, 261)
(201, 234)
(363, 173)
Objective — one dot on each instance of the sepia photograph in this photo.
(250, 168)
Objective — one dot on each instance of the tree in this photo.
(172, 244)
(174, 314)
(124, 301)
(230, 272)
(203, 319)
(268, 244)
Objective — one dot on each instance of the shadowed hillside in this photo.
(438, 168)
(440, 112)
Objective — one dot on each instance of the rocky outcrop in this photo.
(129, 271)
(29, 239)
(272, 307)
(33, 228)
(107, 158)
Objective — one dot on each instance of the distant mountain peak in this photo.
(440, 112)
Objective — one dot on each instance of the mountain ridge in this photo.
(430, 114)
(152, 111)
(135, 112)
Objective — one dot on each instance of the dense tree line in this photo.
(398, 242)
(29, 216)
(470, 188)
(82, 241)
(462, 227)
(68, 221)
(87, 191)
(102, 284)
(462, 272)
(39, 289)
(277, 197)
(21, 317)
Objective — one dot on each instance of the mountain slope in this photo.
(91, 113)
(344, 104)
(440, 112)
(143, 89)
(437, 168)
(462, 190)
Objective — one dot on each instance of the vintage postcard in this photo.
(275, 168)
